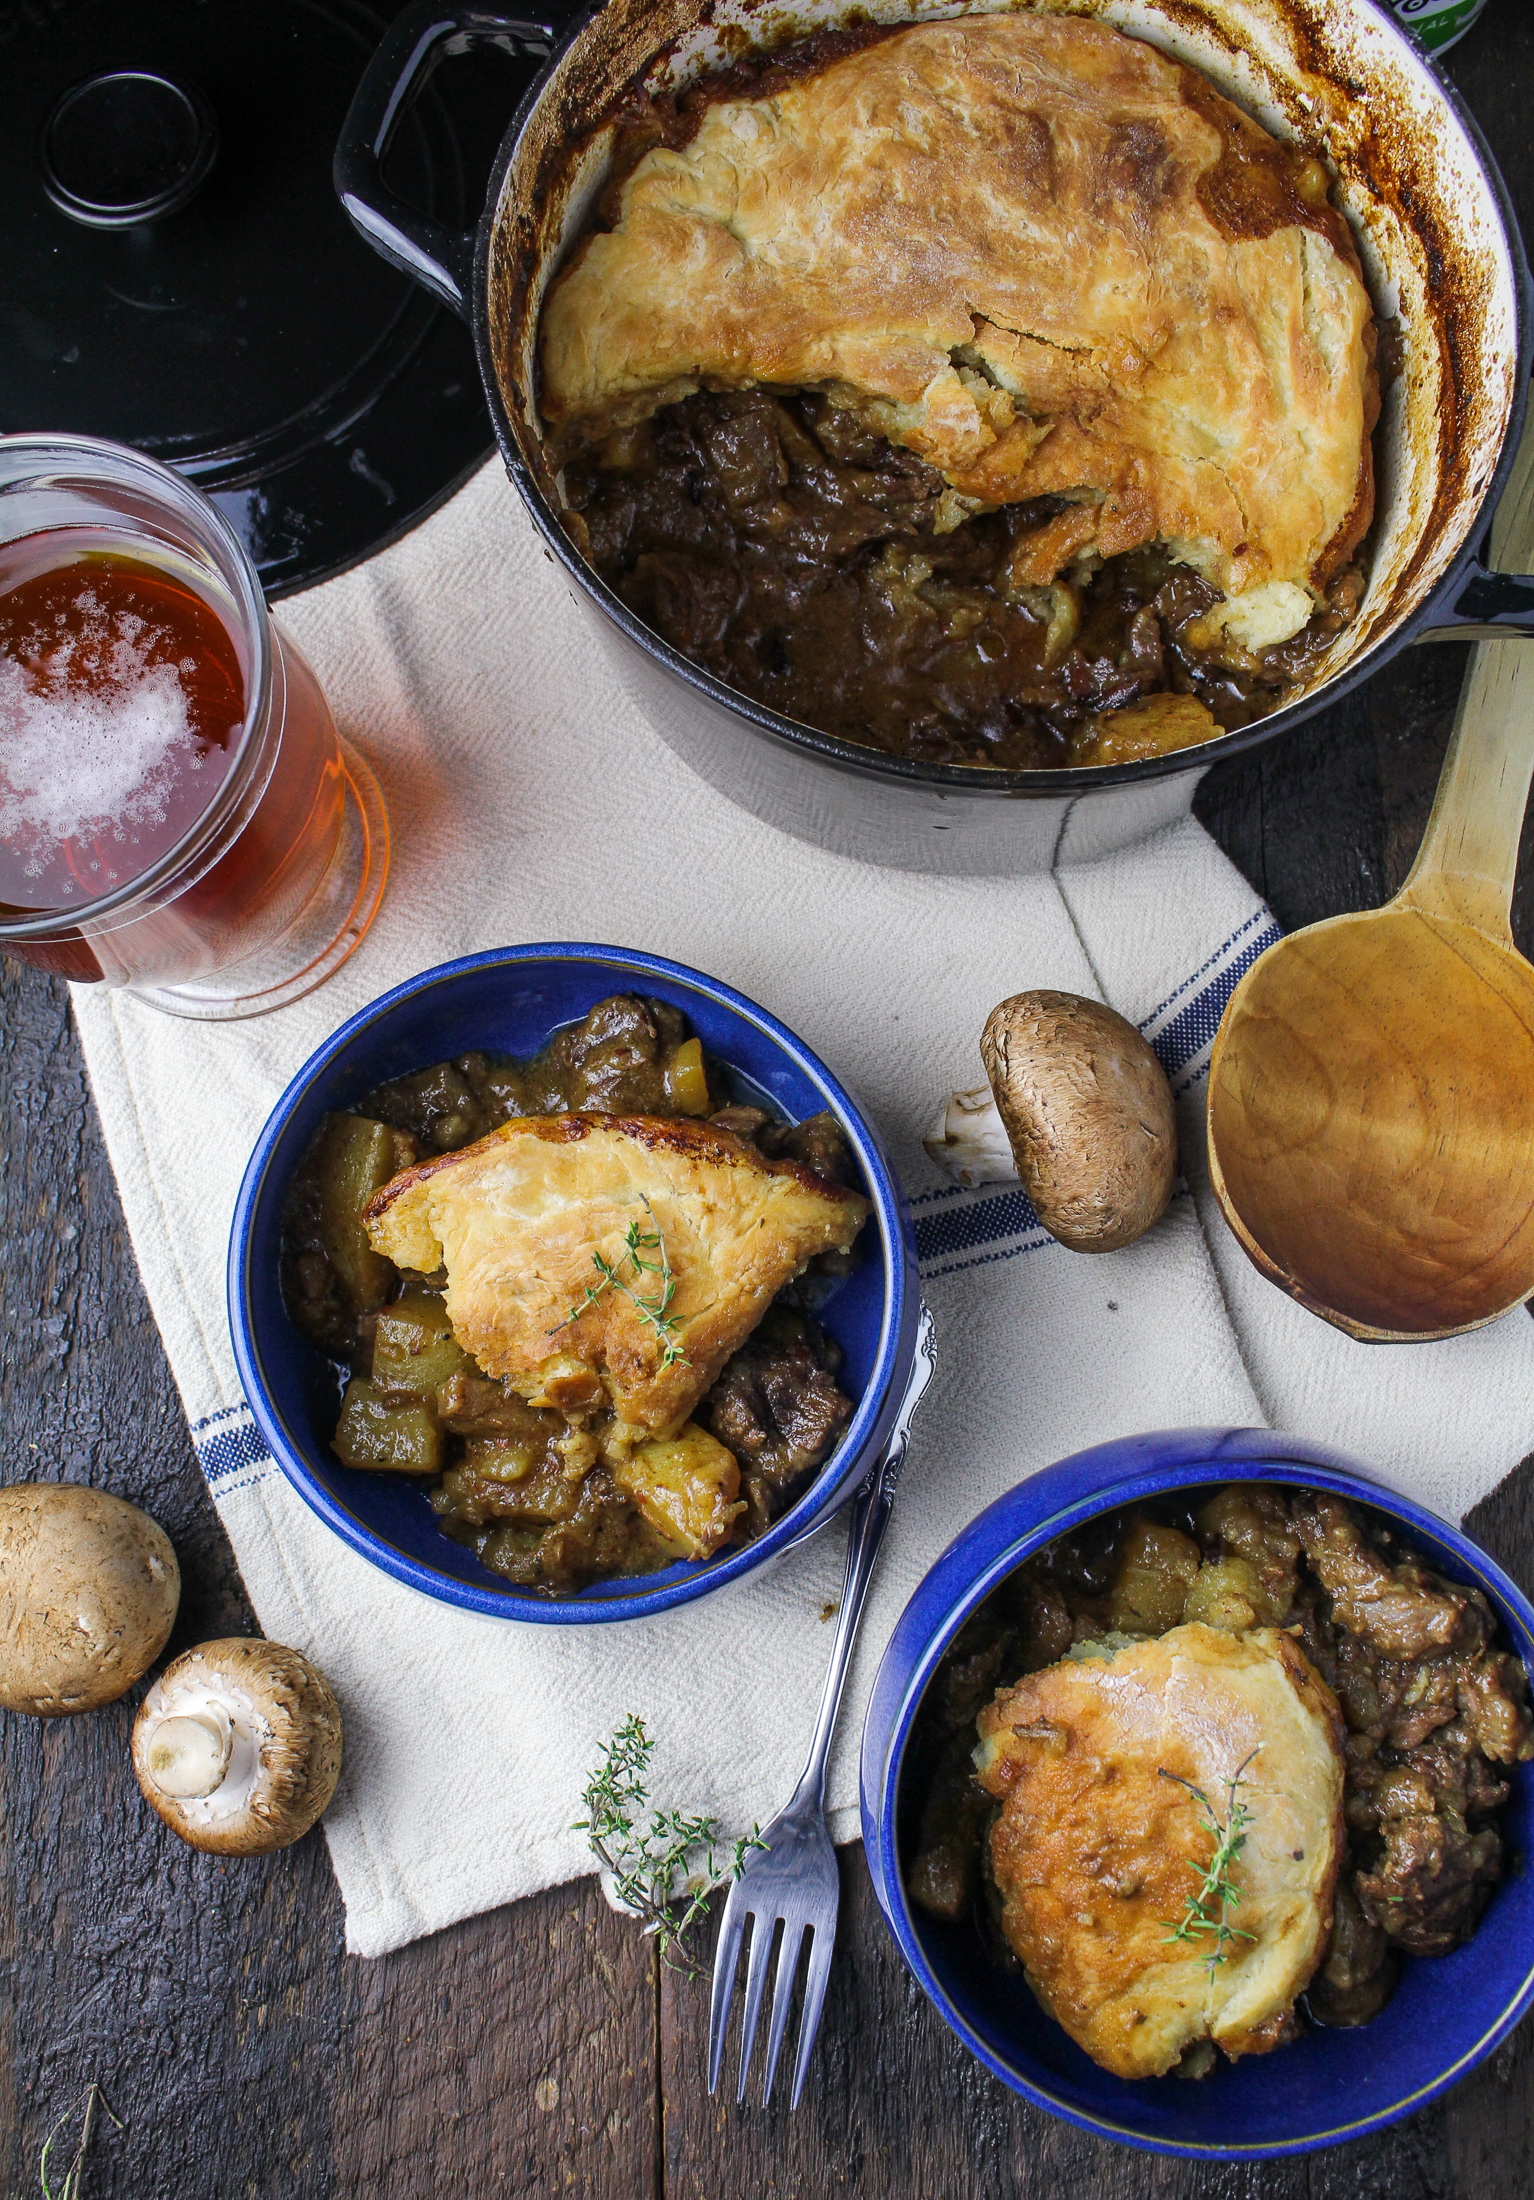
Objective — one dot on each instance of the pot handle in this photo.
(438, 259)
(1489, 607)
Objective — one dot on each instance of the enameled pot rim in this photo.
(833, 1486)
(1001, 1538)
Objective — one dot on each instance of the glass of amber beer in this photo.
(178, 814)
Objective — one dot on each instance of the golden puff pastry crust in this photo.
(517, 1218)
(1095, 1853)
(1039, 253)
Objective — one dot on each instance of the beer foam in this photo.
(92, 738)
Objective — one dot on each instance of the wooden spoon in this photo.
(1371, 1089)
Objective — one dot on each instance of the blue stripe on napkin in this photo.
(1187, 1033)
(231, 1450)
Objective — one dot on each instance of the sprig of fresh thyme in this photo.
(639, 1246)
(1208, 1911)
(647, 1862)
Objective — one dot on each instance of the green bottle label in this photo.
(1437, 23)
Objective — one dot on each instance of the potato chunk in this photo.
(414, 1349)
(378, 1431)
(687, 1487)
(1226, 1593)
(687, 1080)
(1151, 1580)
(352, 1159)
(332, 1278)
(1253, 1524)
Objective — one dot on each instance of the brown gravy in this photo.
(785, 548)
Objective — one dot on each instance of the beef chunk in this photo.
(944, 1870)
(1361, 1967)
(613, 1061)
(744, 1122)
(470, 1404)
(776, 1404)
(1494, 1702)
(1430, 1883)
(818, 1143)
(1049, 1630)
(1404, 1609)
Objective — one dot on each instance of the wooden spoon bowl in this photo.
(1371, 1106)
(1371, 1089)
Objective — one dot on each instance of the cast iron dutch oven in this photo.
(1440, 248)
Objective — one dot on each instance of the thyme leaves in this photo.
(644, 1251)
(1207, 1911)
(661, 1870)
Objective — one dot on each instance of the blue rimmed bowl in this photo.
(509, 1001)
(1447, 2014)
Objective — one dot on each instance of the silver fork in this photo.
(792, 1878)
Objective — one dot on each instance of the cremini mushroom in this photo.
(1078, 1109)
(88, 1592)
(238, 1746)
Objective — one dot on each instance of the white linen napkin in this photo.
(530, 801)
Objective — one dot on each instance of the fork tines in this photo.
(764, 1921)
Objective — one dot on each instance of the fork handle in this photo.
(869, 1517)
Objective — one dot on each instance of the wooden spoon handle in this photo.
(1469, 855)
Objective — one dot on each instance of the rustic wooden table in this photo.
(539, 2049)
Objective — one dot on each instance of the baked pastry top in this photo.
(1040, 254)
(1100, 1846)
(517, 1219)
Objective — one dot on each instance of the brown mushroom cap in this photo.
(1089, 1114)
(88, 1592)
(238, 1746)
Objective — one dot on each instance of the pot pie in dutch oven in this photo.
(990, 391)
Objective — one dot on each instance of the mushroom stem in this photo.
(189, 1755)
(970, 1140)
(237, 1746)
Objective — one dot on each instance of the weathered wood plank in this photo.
(514, 2054)
(213, 2000)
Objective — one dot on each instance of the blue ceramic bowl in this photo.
(1447, 2014)
(510, 1001)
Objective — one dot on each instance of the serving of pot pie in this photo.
(516, 1222)
(1207, 1770)
(576, 1296)
(963, 387)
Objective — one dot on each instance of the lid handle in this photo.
(441, 260)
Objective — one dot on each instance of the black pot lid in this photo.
(178, 274)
